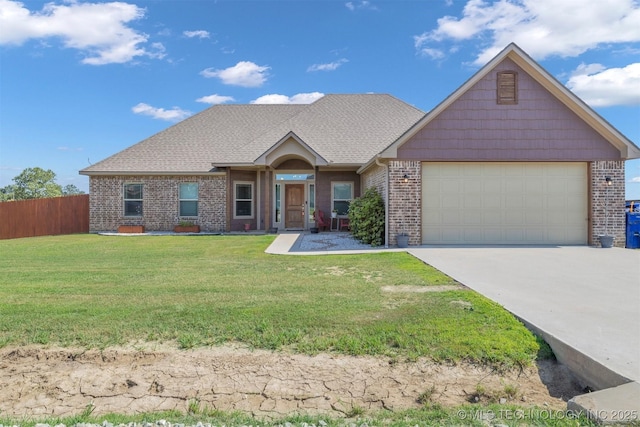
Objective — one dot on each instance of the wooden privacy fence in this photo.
(44, 217)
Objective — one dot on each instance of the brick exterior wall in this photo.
(160, 202)
(608, 199)
(405, 201)
(376, 177)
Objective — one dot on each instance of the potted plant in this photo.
(186, 227)
(334, 213)
(131, 229)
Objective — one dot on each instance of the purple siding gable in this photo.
(538, 128)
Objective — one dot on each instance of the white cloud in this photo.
(99, 30)
(432, 53)
(331, 66)
(362, 4)
(601, 87)
(542, 28)
(244, 73)
(201, 34)
(215, 99)
(301, 98)
(173, 115)
(635, 180)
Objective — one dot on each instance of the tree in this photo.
(7, 193)
(36, 183)
(71, 190)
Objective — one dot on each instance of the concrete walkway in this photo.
(584, 301)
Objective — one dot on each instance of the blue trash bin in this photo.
(633, 230)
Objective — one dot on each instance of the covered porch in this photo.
(286, 186)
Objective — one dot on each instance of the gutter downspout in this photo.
(386, 201)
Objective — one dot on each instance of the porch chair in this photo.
(344, 223)
(318, 216)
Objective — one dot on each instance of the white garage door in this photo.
(504, 203)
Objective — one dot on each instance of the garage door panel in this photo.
(490, 185)
(450, 202)
(514, 235)
(451, 217)
(471, 217)
(504, 203)
(515, 217)
(514, 186)
(514, 201)
(450, 186)
(556, 219)
(533, 234)
(533, 219)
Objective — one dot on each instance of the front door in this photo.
(294, 206)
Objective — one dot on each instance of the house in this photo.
(511, 157)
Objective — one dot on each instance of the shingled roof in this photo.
(342, 129)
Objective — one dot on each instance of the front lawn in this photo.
(99, 291)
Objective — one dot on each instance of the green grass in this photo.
(429, 415)
(98, 291)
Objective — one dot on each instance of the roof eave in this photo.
(150, 173)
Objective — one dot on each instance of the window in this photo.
(188, 199)
(507, 87)
(312, 202)
(133, 200)
(243, 206)
(342, 194)
(278, 213)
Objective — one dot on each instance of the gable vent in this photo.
(507, 87)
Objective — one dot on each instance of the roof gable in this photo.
(626, 148)
(290, 146)
(532, 125)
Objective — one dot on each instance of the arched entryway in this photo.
(294, 195)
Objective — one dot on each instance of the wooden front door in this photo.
(294, 206)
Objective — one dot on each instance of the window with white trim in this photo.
(132, 199)
(243, 200)
(341, 196)
(188, 195)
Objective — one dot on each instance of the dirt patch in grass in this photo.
(36, 381)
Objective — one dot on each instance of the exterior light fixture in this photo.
(405, 178)
(609, 181)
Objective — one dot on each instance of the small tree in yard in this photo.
(366, 218)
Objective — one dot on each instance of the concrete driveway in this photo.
(584, 301)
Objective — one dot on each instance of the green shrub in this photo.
(366, 218)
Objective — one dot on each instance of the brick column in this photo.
(405, 200)
(608, 202)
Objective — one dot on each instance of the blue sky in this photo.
(82, 80)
